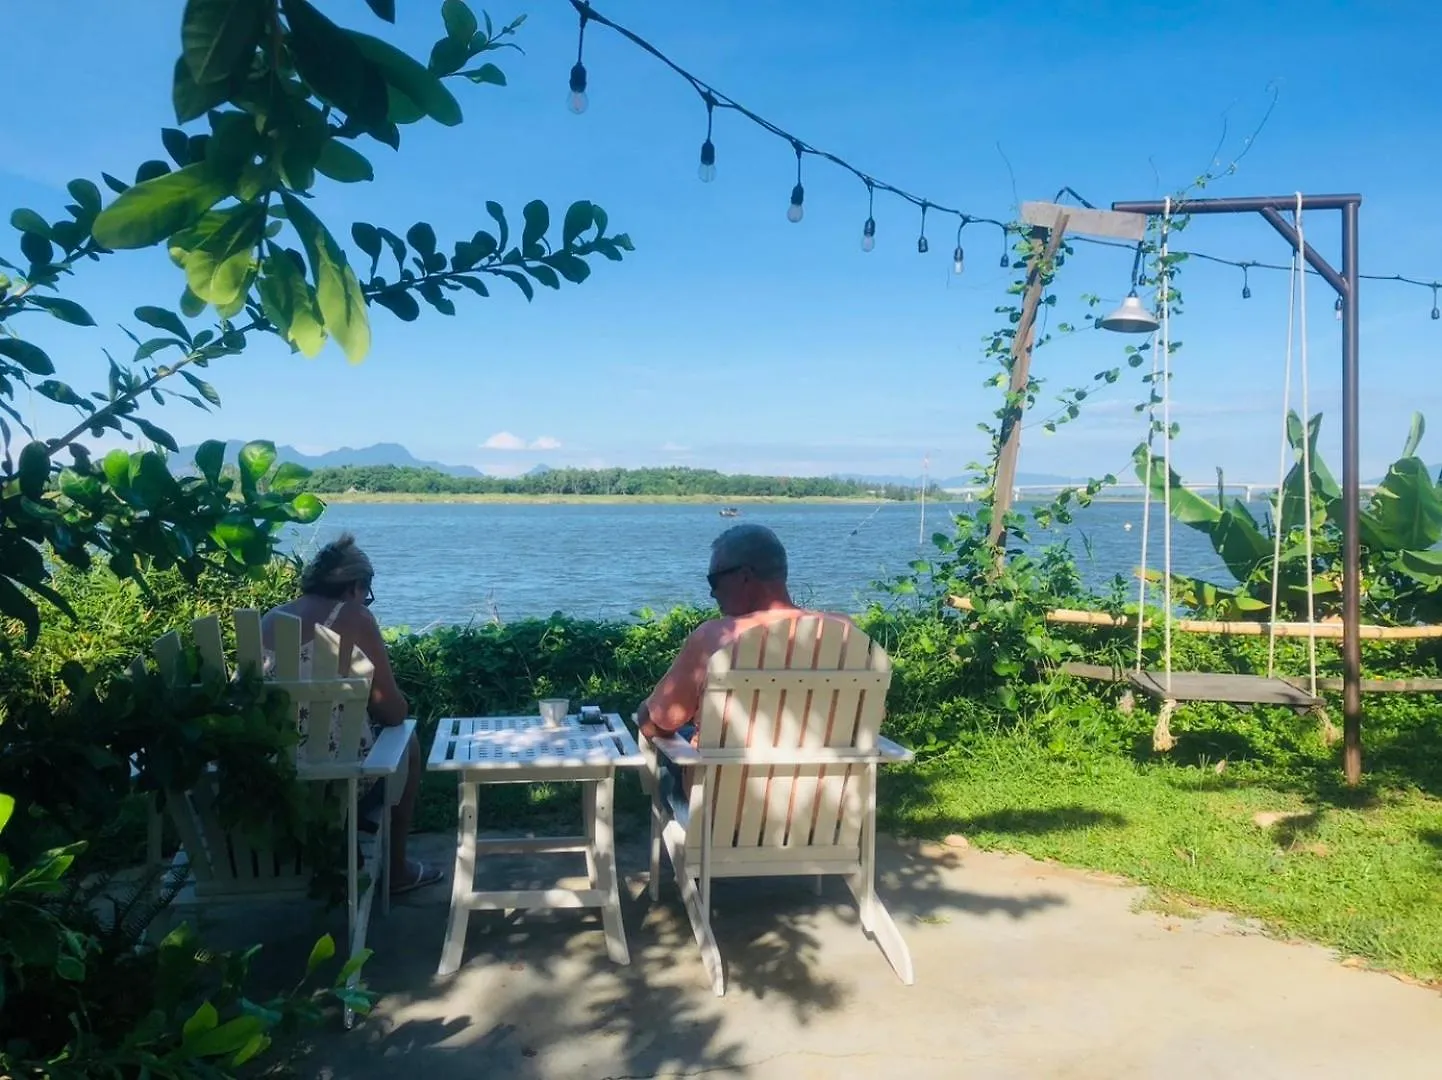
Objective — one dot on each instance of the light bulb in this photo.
(1436, 314)
(1005, 261)
(795, 211)
(1246, 292)
(707, 171)
(868, 235)
(577, 101)
(922, 247)
(958, 260)
(1337, 307)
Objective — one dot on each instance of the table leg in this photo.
(588, 816)
(603, 847)
(464, 882)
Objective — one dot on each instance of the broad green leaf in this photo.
(423, 238)
(461, 25)
(580, 216)
(411, 78)
(155, 209)
(159, 436)
(545, 275)
(33, 470)
(31, 357)
(254, 1046)
(177, 145)
(323, 950)
(288, 477)
(28, 221)
(162, 319)
(59, 392)
(256, 458)
(190, 304)
(1414, 434)
(229, 1038)
(353, 965)
(367, 239)
(538, 219)
(202, 387)
(1405, 513)
(572, 267)
(85, 193)
(64, 310)
(36, 248)
(338, 292)
(210, 459)
(307, 508)
(328, 58)
(1426, 565)
(386, 9)
(519, 281)
(341, 162)
(7, 807)
(218, 269)
(498, 214)
(217, 37)
(116, 466)
(486, 73)
(447, 56)
(1187, 506)
(204, 1019)
(191, 99)
(400, 303)
(290, 303)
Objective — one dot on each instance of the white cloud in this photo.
(504, 440)
(546, 442)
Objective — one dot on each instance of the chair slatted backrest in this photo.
(215, 855)
(809, 682)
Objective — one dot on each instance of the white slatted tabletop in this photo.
(476, 743)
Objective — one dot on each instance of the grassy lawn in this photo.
(1361, 872)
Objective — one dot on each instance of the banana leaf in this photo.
(1405, 513)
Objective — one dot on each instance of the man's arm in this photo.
(677, 697)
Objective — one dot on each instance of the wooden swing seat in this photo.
(1202, 686)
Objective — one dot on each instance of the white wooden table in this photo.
(519, 750)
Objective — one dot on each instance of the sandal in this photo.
(424, 875)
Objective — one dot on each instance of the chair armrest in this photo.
(389, 750)
(893, 751)
(677, 749)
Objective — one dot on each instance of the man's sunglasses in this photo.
(716, 575)
(370, 597)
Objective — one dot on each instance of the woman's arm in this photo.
(387, 705)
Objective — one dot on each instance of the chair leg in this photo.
(875, 919)
(463, 884)
(601, 855)
(658, 824)
(700, 921)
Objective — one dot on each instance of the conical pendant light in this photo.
(1130, 318)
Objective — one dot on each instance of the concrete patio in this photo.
(1023, 970)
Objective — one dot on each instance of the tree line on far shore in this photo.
(409, 480)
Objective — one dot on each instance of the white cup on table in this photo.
(553, 712)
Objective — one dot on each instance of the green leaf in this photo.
(288, 301)
(177, 145)
(400, 303)
(191, 99)
(498, 214)
(486, 73)
(7, 807)
(154, 209)
(1406, 510)
(210, 459)
(572, 267)
(256, 458)
(33, 470)
(116, 466)
(323, 950)
(28, 221)
(159, 436)
(353, 965)
(368, 239)
(461, 25)
(59, 392)
(17, 605)
(410, 78)
(431, 291)
(538, 220)
(327, 58)
(1414, 434)
(202, 1020)
(341, 162)
(447, 56)
(190, 304)
(288, 478)
(520, 282)
(545, 275)
(36, 248)
(254, 1046)
(386, 9)
(217, 37)
(580, 216)
(31, 357)
(202, 387)
(342, 304)
(219, 267)
(229, 1038)
(306, 508)
(64, 310)
(162, 319)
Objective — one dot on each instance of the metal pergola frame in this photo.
(1345, 282)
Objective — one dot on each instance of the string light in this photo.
(798, 193)
(958, 257)
(1337, 307)
(578, 101)
(716, 99)
(922, 247)
(707, 171)
(1435, 313)
(868, 231)
(1246, 288)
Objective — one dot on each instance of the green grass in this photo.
(1360, 872)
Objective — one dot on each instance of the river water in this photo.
(439, 563)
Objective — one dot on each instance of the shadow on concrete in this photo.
(537, 996)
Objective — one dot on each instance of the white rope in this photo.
(1147, 500)
(1306, 454)
(1163, 281)
(1282, 457)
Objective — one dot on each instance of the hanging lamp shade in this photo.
(1130, 318)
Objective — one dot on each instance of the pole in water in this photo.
(925, 470)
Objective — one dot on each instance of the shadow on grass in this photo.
(904, 792)
(1433, 837)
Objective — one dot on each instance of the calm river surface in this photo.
(440, 563)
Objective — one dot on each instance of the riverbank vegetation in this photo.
(648, 484)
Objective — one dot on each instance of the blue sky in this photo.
(734, 339)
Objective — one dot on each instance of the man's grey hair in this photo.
(753, 546)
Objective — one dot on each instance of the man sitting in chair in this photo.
(748, 580)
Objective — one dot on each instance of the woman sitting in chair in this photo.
(336, 593)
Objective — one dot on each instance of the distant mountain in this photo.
(539, 470)
(377, 454)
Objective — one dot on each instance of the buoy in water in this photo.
(1127, 526)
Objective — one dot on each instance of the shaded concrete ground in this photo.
(1022, 970)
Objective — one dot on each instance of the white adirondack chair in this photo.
(221, 867)
(784, 779)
